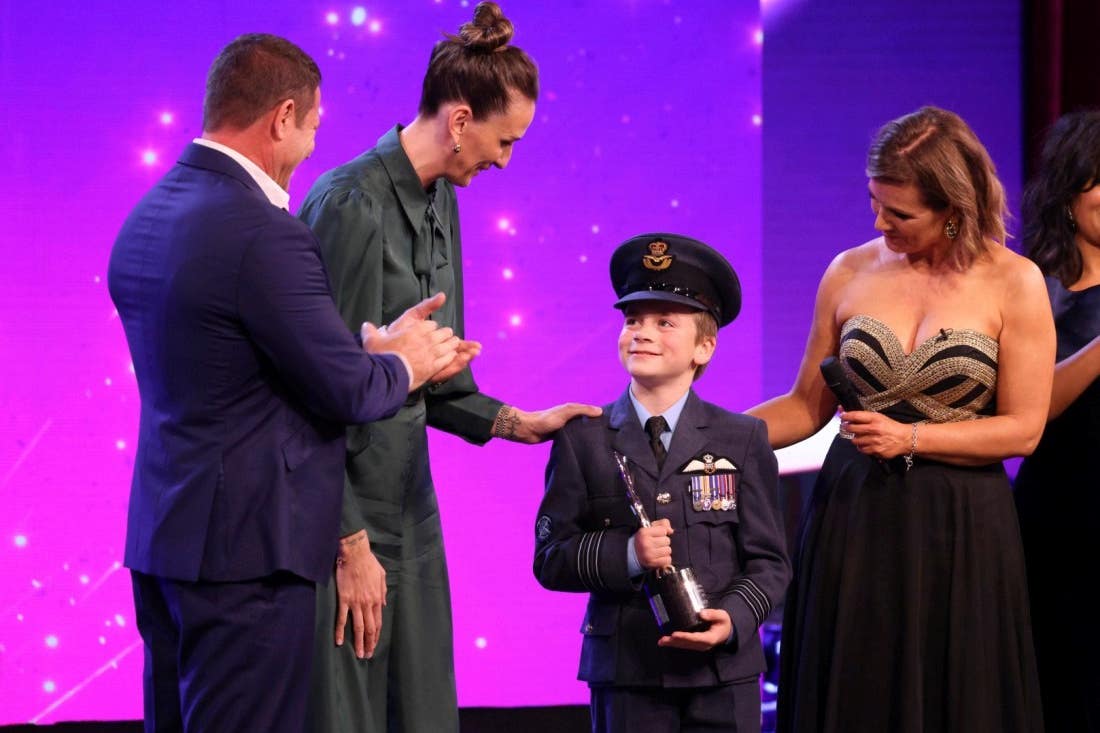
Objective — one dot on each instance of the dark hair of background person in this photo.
(1068, 165)
(936, 151)
(479, 67)
(253, 74)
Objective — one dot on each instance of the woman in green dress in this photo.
(388, 226)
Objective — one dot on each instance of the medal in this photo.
(713, 483)
(731, 483)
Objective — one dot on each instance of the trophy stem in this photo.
(675, 597)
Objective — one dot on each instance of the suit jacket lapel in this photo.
(688, 439)
(630, 439)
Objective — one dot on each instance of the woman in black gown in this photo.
(908, 612)
(1056, 489)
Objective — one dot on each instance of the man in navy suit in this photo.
(247, 376)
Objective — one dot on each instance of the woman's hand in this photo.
(877, 435)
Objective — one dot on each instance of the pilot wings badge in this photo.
(712, 482)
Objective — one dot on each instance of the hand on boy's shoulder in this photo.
(535, 427)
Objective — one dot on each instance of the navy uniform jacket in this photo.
(738, 555)
(247, 376)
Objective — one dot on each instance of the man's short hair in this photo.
(252, 75)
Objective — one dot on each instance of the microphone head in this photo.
(832, 371)
(838, 383)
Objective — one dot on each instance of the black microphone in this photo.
(837, 381)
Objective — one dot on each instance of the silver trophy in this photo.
(675, 597)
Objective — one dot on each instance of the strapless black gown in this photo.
(908, 612)
(1058, 498)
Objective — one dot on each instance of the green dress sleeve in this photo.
(348, 227)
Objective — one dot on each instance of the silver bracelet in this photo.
(912, 446)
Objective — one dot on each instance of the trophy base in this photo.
(676, 599)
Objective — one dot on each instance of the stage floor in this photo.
(555, 719)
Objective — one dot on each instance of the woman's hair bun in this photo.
(479, 66)
(488, 31)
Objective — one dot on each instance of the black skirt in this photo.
(908, 612)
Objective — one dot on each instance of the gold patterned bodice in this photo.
(949, 377)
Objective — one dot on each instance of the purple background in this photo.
(649, 119)
(834, 72)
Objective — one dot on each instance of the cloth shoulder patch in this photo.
(543, 527)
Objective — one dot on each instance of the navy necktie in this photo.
(655, 426)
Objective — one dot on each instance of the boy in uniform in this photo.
(708, 479)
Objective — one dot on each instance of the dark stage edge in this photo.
(552, 719)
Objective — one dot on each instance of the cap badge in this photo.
(658, 258)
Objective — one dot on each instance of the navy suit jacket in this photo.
(247, 376)
(738, 555)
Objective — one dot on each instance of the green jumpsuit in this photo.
(387, 244)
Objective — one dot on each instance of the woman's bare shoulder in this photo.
(1014, 270)
(856, 259)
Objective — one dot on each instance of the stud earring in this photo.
(951, 229)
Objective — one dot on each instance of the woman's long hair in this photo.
(1070, 164)
(936, 151)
